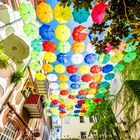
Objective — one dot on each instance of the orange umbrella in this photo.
(63, 78)
(78, 47)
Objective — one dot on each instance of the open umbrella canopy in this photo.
(104, 84)
(59, 68)
(74, 85)
(129, 57)
(109, 76)
(52, 77)
(77, 58)
(54, 86)
(84, 85)
(118, 68)
(35, 66)
(96, 69)
(107, 68)
(47, 68)
(44, 12)
(97, 77)
(78, 47)
(94, 85)
(84, 69)
(37, 45)
(90, 58)
(64, 92)
(36, 56)
(75, 78)
(63, 46)
(86, 78)
(71, 69)
(63, 86)
(117, 57)
(104, 58)
(49, 46)
(80, 15)
(50, 57)
(62, 14)
(40, 76)
(63, 78)
(62, 58)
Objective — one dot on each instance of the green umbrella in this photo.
(102, 90)
(36, 44)
(84, 85)
(62, 97)
(27, 12)
(104, 58)
(129, 57)
(35, 66)
(131, 46)
(118, 68)
(31, 30)
(73, 92)
(63, 47)
(36, 56)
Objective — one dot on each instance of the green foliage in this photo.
(3, 60)
(16, 77)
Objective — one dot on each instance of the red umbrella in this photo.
(86, 78)
(82, 92)
(72, 97)
(98, 12)
(54, 102)
(62, 112)
(64, 92)
(97, 100)
(49, 46)
(62, 106)
(72, 69)
(79, 33)
(83, 111)
(80, 102)
(96, 69)
(93, 85)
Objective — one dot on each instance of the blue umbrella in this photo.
(76, 111)
(90, 58)
(37, 45)
(79, 96)
(78, 105)
(74, 86)
(99, 95)
(61, 109)
(62, 58)
(107, 68)
(46, 32)
(91, 36)
(80, 15)
(104, 84)
(75, 78)
(109, 76)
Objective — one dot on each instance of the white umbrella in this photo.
(51, 77)
(56, 92)
(77, 58)
(90, 48)
(53, 86)
(89, 96)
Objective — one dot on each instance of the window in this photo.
(83, 135)
(9, 132)
(82, 119)
(91, 120)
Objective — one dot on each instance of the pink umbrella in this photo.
(98, 12)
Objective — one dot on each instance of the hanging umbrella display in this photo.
(54, 91)
(90, 58)
(63, 86)
(50, 57)
(107, 68)
(117, 57)
(96, 69)
(40, 76)
(104, 58)
(79, 33)
(53, 96)
(102, 90)
(75, 78)
(36, 56)
(97, 77)
(77, 58)
(47, 68)
(27, 12)
(44, 12)
(79, 96)
(98, 12)
(52, 77)
(37, 45)
(80, 15)
(84, 69)
(54, 86)
(54, 102)
(76, 111)
(84, 86)
(71, 69)
(91, 91)
(64, 92)
(86, 78)
(62, 33)
(90, 96)
(63, 78)
(104, 84)
(46, 32)
(31, 31)
(78, 47)
(59, 68)
(62, 14)
(82, 92)
(62, 58)
(99, 95)
(72, 97)
(49, 46)
(73, 92)
(90, 48)
(94, 85)
(74, 85)
(118, 67)
(109, 76)
(129, 57)
(35, 66)
(63, 47)
(97, 100)
(78, 105)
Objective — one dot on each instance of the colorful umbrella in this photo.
(90, 96)
(54, 102)
(74, 85)
(63, 78)
(84, 86)
(97, 77)
(77, 58)
(84, 69)
(59, 68)
(102, 90)
(99, 95)
(63, 47)
(118, 68)
(75, 78)
(109, 76)
(79, 33)
(46, 32)
(82, 92)
(62, 58)
(73, 92)
(52, 77)
(44, 12)
(80, 15)
(97, 100)
(50, 57)
(79, 96)
(53, 96)
(54, 91)
(76, 111)
(62, 14)
(78, 105)
(117, 57)
(91, 91)
(78, 47)
(104, 58)
(27, 12)
(90, 58)
(35, 66)
(129, 57)
(64, 92)
(90, 48)
(54, 86)
(107, 68)
(49, 46)
(72, 69)
(63, 86)
(40, 76)
(86, 78)
(94, 85)
(36, 56)
(104, 84)
(96, 69)
(47, 68)
(37, 45)
(62, 33)
(98, 12)
(31, 31)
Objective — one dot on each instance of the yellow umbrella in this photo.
(63, 78)
(54, 110)
(84, 69)
(62, 14)
(63, 102)
(54, 96)
(59, 68)
(86, 105)
(97, 77)
(62, 115)
(44, 12)
(63, 86)
(117, 57)
(62, 33)
(50, 57)
(40, 76)
(78, 47)
(81, 114)
(47, 68)
(91, 91)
